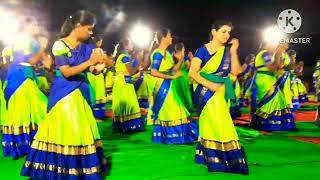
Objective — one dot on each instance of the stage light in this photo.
(141, 35)
(273, 35)
(9, 27)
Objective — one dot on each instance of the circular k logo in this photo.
(289, 21)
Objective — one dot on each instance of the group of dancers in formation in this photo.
(56, 127)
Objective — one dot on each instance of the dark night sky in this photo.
(190, 20)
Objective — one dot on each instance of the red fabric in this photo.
(109, 114)
(309, 103)
(307, 139)
(307, 116)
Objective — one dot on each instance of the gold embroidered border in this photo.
(302, 94)
(8, 144)
(274, 113)
(18, 130)
(221, 146)
(172, 123)
(65, 150)
(171, 135)
(60, 170)
(277, 122)
(228, 163)
(143, 97)
(126, 118)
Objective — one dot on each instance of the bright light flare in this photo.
(141, 35)
(9, 27)
(273, 35)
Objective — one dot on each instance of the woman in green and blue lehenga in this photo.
(247, 79)
(97, 84)
(218, 145)
(142, 84)
(26, 105)
(286, 77)
(302, 91)
(316, 86)
(234, 103)
(126, 111)
(183, 82)
(171, 123)
(271, 110)
(2, 99)
(42, 74)
(7, 58)
(294, 86)
(67, 144)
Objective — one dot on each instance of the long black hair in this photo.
(249, 58)
(178, 47)
(292, 52)
(217, 25)
(82, 17)
(161, 34)
(94, 39)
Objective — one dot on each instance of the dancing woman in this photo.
(171, 123)
(68, 145)
(218, 146)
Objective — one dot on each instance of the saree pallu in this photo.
(184, 88)
(272, 112)
(285, 86)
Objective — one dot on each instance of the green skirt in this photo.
(286, 89)
(28, 105)
(184, 91)
(125, 106)
(273, 112)
(68, 139)
(75, 126)
(109, 80)
(2, 104)
(27, 108)
(97, 84)
(43, 83)
(218, 146)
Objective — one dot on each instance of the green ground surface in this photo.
(135, 157)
